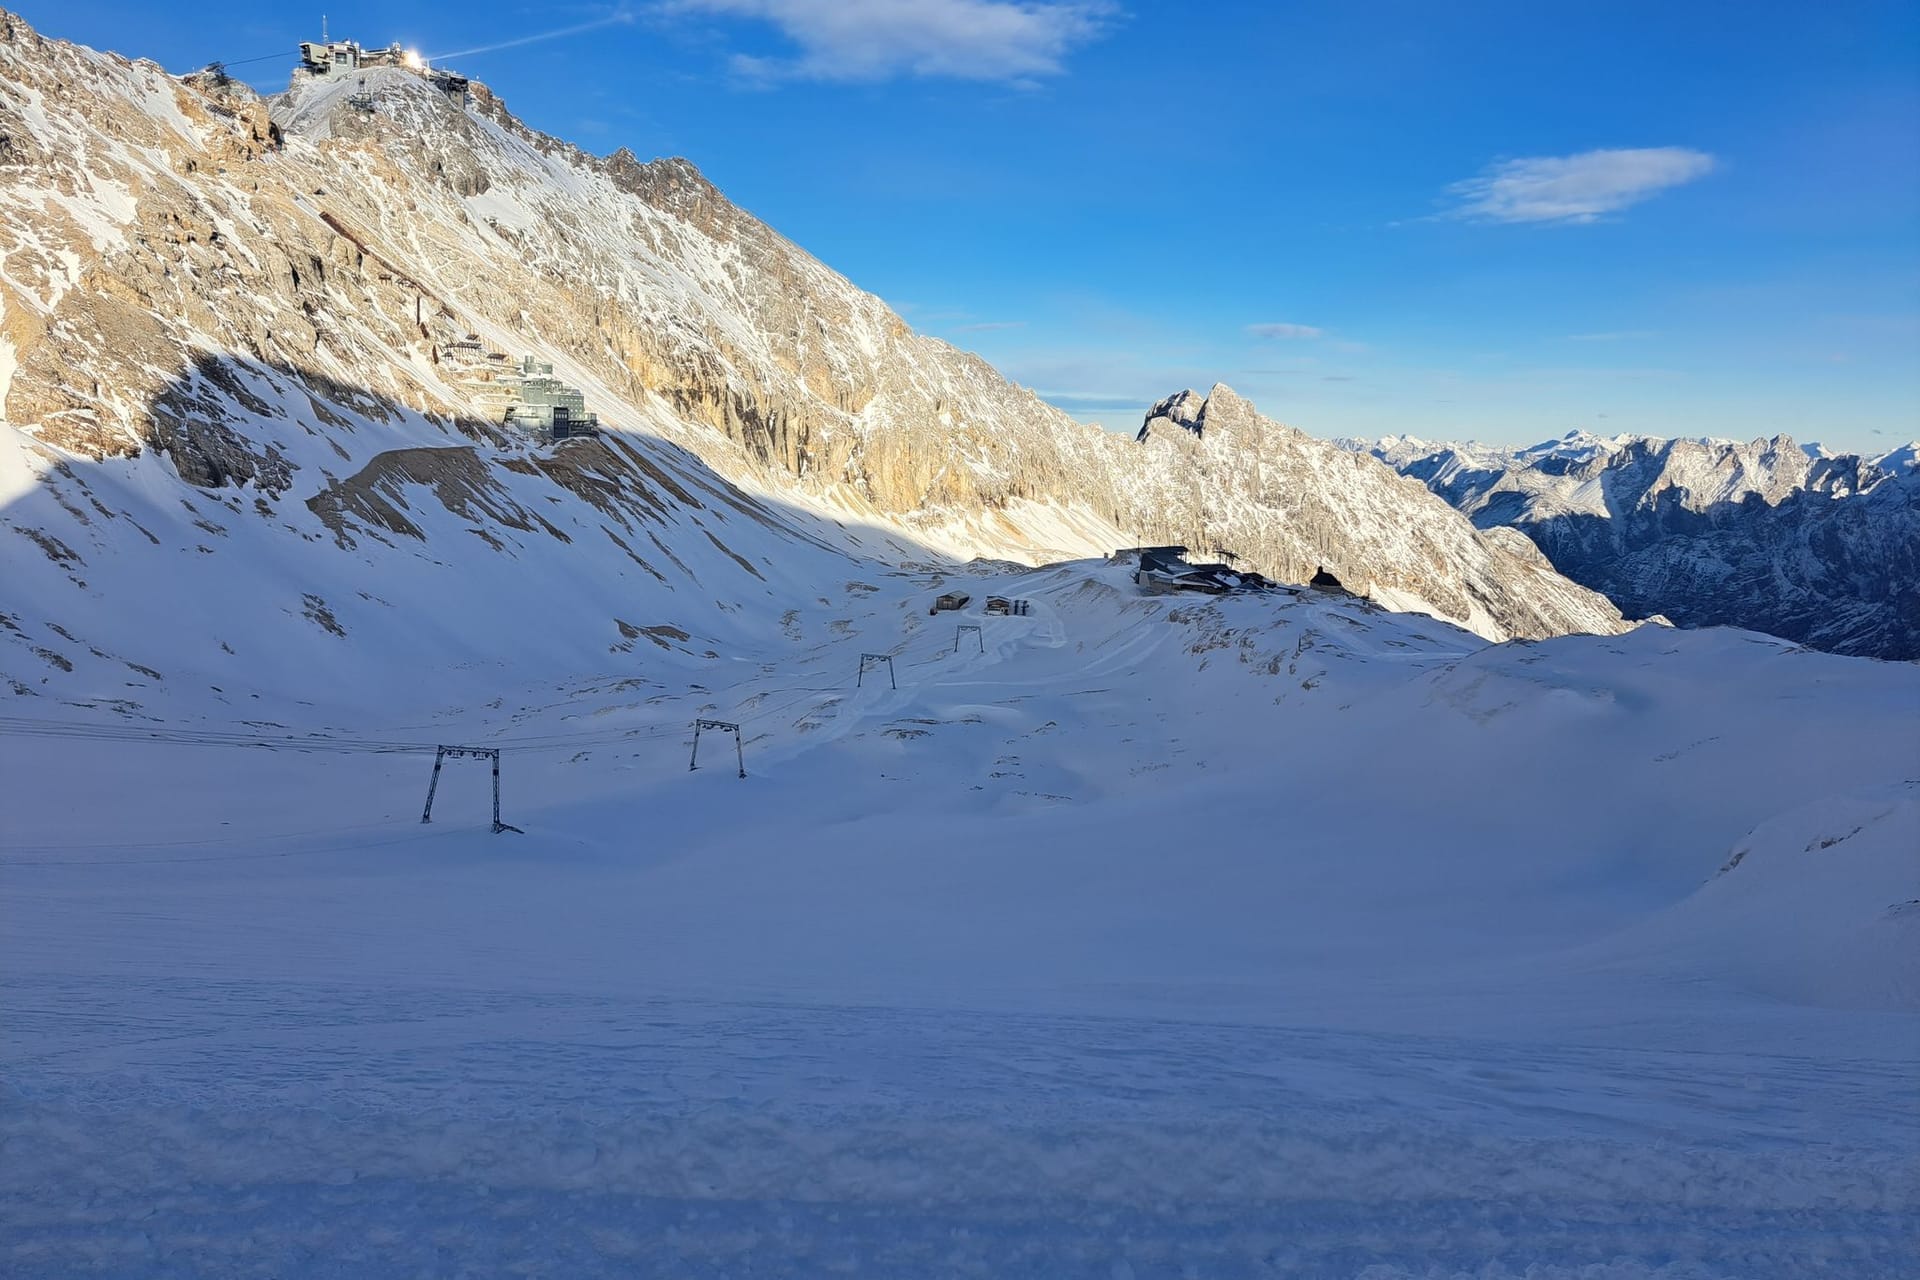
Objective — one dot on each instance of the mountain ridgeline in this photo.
(267, 313)
(1815, 547)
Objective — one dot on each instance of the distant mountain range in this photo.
(1814, 546)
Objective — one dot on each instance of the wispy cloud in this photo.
(621, 15)
(869, 40)
(1279, 329)
(988, 326)
(1574, 188)
(1095, 401)
(922, 313)
(1618, 335)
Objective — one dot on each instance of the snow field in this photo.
(1267, 937)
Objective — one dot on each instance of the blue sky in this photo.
(1501, 220)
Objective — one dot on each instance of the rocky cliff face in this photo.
(1220, 475)
(1819, 548)
(217, 299)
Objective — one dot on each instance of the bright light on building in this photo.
(413, 59)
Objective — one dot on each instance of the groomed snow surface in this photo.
(1130, 938)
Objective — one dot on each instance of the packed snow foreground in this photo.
(1268, 935)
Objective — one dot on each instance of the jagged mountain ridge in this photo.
(249, 296)
(1818, 547)
(1253, 486)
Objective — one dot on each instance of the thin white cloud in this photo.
(620, 16)
(1575, 188)
(1279, 329)
(1095, 401)
(1617, 335)
(869, 40)
(988, 326)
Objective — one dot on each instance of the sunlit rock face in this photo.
(258, 296)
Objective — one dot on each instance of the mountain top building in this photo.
(326, 57)
(548, 407)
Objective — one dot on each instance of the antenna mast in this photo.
(323, 28)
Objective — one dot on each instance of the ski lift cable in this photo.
(243, 62)
(174, 735)
(171, 735)
(217, 857)
(198, 842)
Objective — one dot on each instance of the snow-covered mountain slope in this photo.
(1130, 936)
(1121, 936)
(213, 300)
(1817, 547)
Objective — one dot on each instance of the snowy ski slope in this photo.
(1276, 936)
